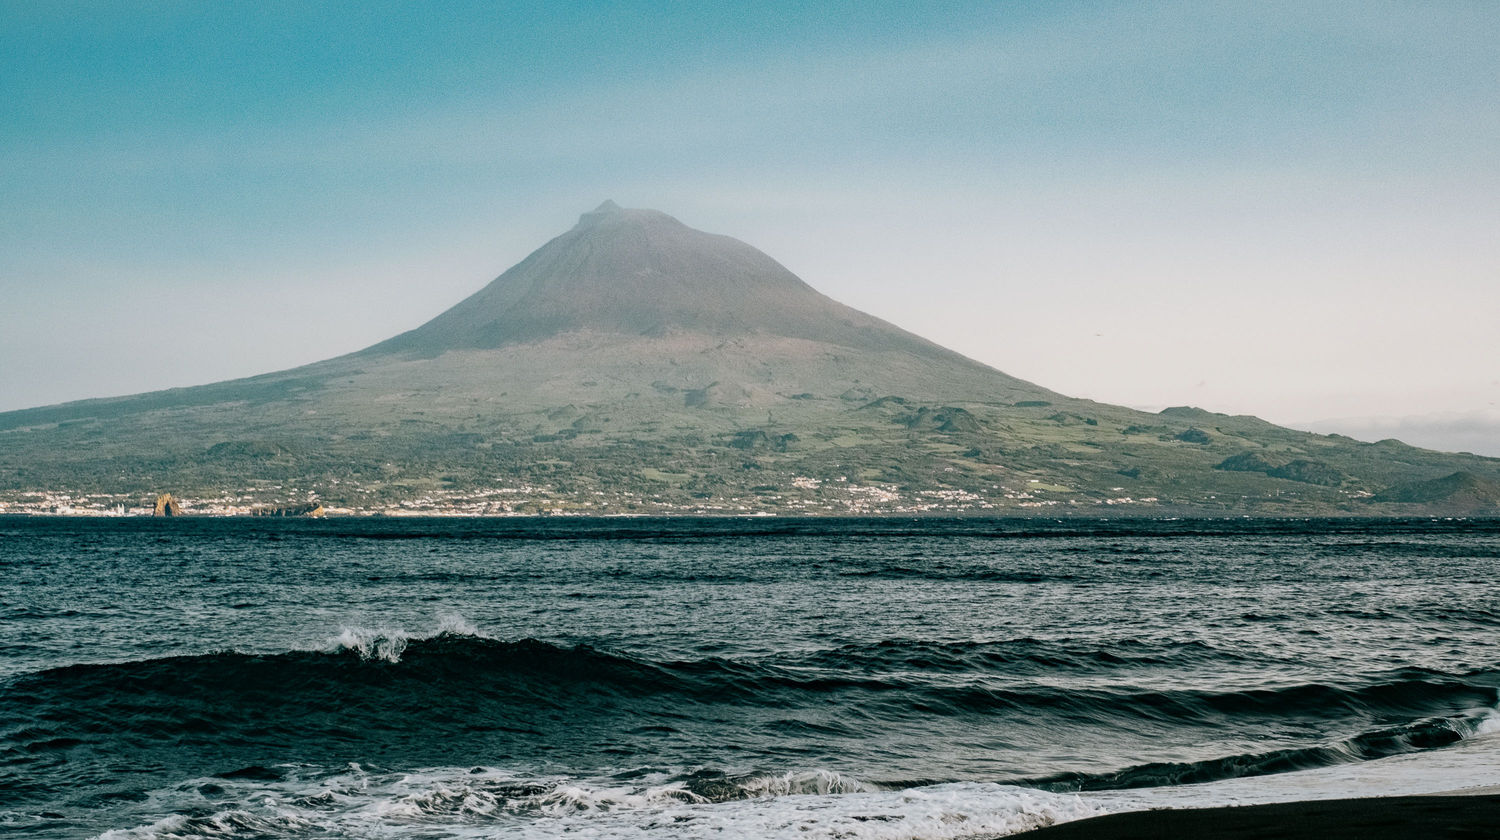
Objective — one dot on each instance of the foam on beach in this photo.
(464, 803)
(478, 803)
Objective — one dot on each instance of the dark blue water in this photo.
(436, 678)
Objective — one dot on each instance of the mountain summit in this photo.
(643, 273)
(636, 365)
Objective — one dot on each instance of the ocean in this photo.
(692, 678)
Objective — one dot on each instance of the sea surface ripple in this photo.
(647, 677)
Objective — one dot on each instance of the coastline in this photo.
(1461, 814)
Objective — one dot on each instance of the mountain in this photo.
(636, 365)
(642, 272)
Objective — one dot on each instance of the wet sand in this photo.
(1407, 817)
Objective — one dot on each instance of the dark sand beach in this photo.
(1407, 817)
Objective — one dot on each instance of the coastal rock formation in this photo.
(166, 505)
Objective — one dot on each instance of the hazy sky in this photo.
(1285, 209)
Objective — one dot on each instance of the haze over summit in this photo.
(1280, 211)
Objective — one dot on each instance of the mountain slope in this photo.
(1459, 493)
(634, 364)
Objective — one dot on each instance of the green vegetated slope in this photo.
(634, 364)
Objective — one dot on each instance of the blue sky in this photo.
(1287, 209)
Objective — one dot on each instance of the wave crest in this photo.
(388, 644)
(1381, 742)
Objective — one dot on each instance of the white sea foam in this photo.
(235, 823)
(383, 643)
(387, 643)
(484, 803)
(472, 803)
(491, 792)
(1488, 723)
(806, 782)
(455, 624)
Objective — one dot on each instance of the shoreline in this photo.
(1459, 814)
(1001, 516)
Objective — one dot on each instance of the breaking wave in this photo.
(391, 699)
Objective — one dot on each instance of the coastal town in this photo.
(803, 496)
